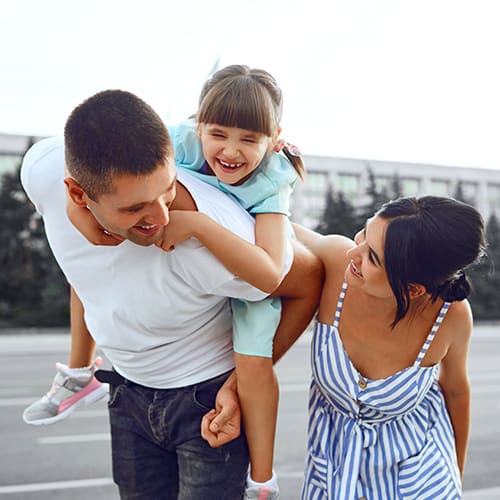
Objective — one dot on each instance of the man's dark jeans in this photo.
(158, 452)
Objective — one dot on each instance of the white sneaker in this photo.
(261, 493)
(65, 396)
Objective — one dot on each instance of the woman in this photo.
(389, 400)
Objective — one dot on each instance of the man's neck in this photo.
(183, 199)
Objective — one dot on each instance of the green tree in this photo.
(33, 291)
(339, 216)
(485, 276)
(376, 198)
(396, 186)
(460, 195)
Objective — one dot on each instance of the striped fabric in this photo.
(376, 439)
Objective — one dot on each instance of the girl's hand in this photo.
(182, 225)
(85, 222)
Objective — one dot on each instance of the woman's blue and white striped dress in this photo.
(377, 439)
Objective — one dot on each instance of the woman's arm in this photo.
(454, 380)
(261, 264)
(331, 248)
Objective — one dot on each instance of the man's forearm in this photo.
(82, 344)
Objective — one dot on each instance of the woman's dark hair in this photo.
(431, 240)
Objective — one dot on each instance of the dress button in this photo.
(363, 498)
(362, 385)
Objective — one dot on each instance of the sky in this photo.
(400, 80)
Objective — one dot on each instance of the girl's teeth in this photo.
(230, 165)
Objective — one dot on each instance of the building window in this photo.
(410, 187)
(440, 187)
(315, 188)
(383, 185)
(349, 184)
(493, 191)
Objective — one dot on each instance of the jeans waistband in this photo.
(114, 378)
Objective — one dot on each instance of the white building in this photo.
(481, 186)
(351, 176)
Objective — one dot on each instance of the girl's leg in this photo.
(73, 385)
(258, 394)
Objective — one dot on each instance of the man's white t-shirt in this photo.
(162, 319)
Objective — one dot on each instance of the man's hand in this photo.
(223, 424)
(86, 223)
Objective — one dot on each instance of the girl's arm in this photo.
(261, 264)
(454, 380)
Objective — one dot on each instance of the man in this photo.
(162, 319)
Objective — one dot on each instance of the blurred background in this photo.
(383, 98)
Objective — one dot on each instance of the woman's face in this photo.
(367, 268)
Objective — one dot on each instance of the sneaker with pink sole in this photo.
(67, 393)
(261, 493)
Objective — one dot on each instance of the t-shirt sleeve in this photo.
(41, 170)
(187, 146)
(198, 267)
(278, 202)
(275, 184)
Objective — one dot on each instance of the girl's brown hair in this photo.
(237, 96)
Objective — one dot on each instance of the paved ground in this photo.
(71, 460)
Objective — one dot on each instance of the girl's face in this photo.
(367, 268)
(232, 153)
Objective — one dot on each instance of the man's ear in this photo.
(416, 290)
(75, 193)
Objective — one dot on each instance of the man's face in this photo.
(137, 208)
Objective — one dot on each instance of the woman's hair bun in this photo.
(456, 288)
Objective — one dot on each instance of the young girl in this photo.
(234, 144)
(389, 400)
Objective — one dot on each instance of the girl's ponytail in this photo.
(293, 154)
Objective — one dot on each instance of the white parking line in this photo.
(484, 494)
(74, 438)
(90, 414)
(6, 402)
(16, 401)
(56, 485)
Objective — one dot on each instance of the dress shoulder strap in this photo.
(340, 302)
(432, 333)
